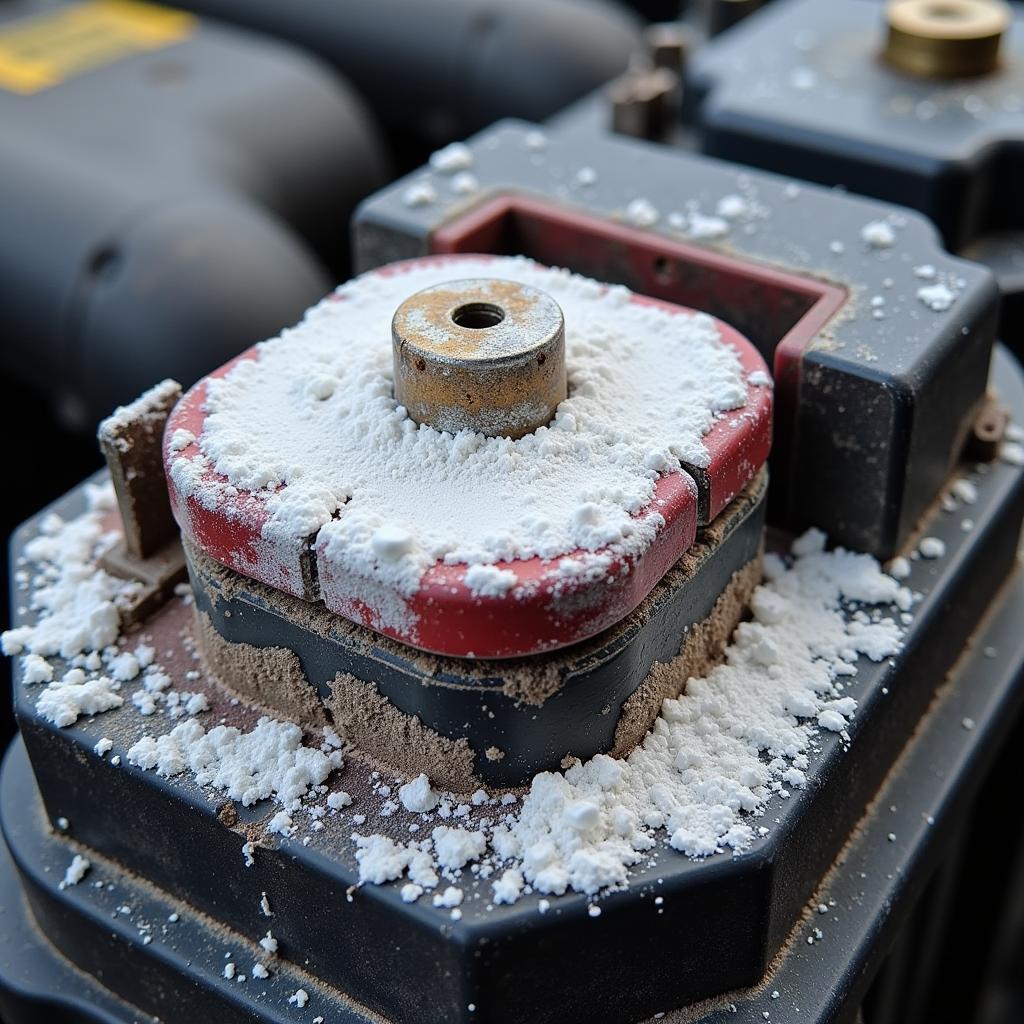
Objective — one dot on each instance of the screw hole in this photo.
(421, 365)
(663, 269)
(478, 316)
(541, 359)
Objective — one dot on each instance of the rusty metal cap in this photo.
(482, 354)
(945, 38)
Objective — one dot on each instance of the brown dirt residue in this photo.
(269, 676)
(400, 742)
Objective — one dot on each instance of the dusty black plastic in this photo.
(412, 962)
(883, 404)
(801, 89)
(164, 211)
(437, 70)
(581, 718)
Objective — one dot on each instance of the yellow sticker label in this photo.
(42, 51)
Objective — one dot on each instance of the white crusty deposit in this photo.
(699, 782)
(315, 412)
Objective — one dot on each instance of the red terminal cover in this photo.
(545, 610)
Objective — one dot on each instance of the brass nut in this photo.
(484, 354)
(945, 38)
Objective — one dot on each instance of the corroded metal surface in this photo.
(482, 354)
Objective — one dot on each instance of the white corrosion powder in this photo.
(716, 754)
(418, 796)
(75, 601)
(76, 871)
(62, 703)
(316, 412)
(270, 761)
(878, 234)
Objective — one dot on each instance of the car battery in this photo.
(359, 567)
(914, 102)
(144, 196)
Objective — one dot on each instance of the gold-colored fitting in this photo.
(484, 354)
(945, 38)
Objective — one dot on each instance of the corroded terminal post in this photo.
(945, 38)
(483, 354)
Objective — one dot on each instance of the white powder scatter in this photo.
(464, 184)
(196, 703)
(269, 943)
(35, 669)
(76, 603)
(259, 971)
(299, 998)
(455, 157)
(932, 547)
(229, 970)
(879, 234)
(124, 667)
(338, 799)
(645, 386)
(62, 703)
(899, 568)
(701, 226)
(420, 193)
(455, 847)
(247, 854)
(280, 824)
(411, 892)
(180, 440)
(270, 761)
(965, 491)
(451, 897)
(489, 580)
(732, 206)
(508, 888)
(103, 746)
(418, 796)
(1012, 453)
(586, 176)
(937, 297)
(759, 379)
(76, 871)
(642, 213)
(831, 720)
(422, 870)
(145, 655)
(926, 272)
(380, 858)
